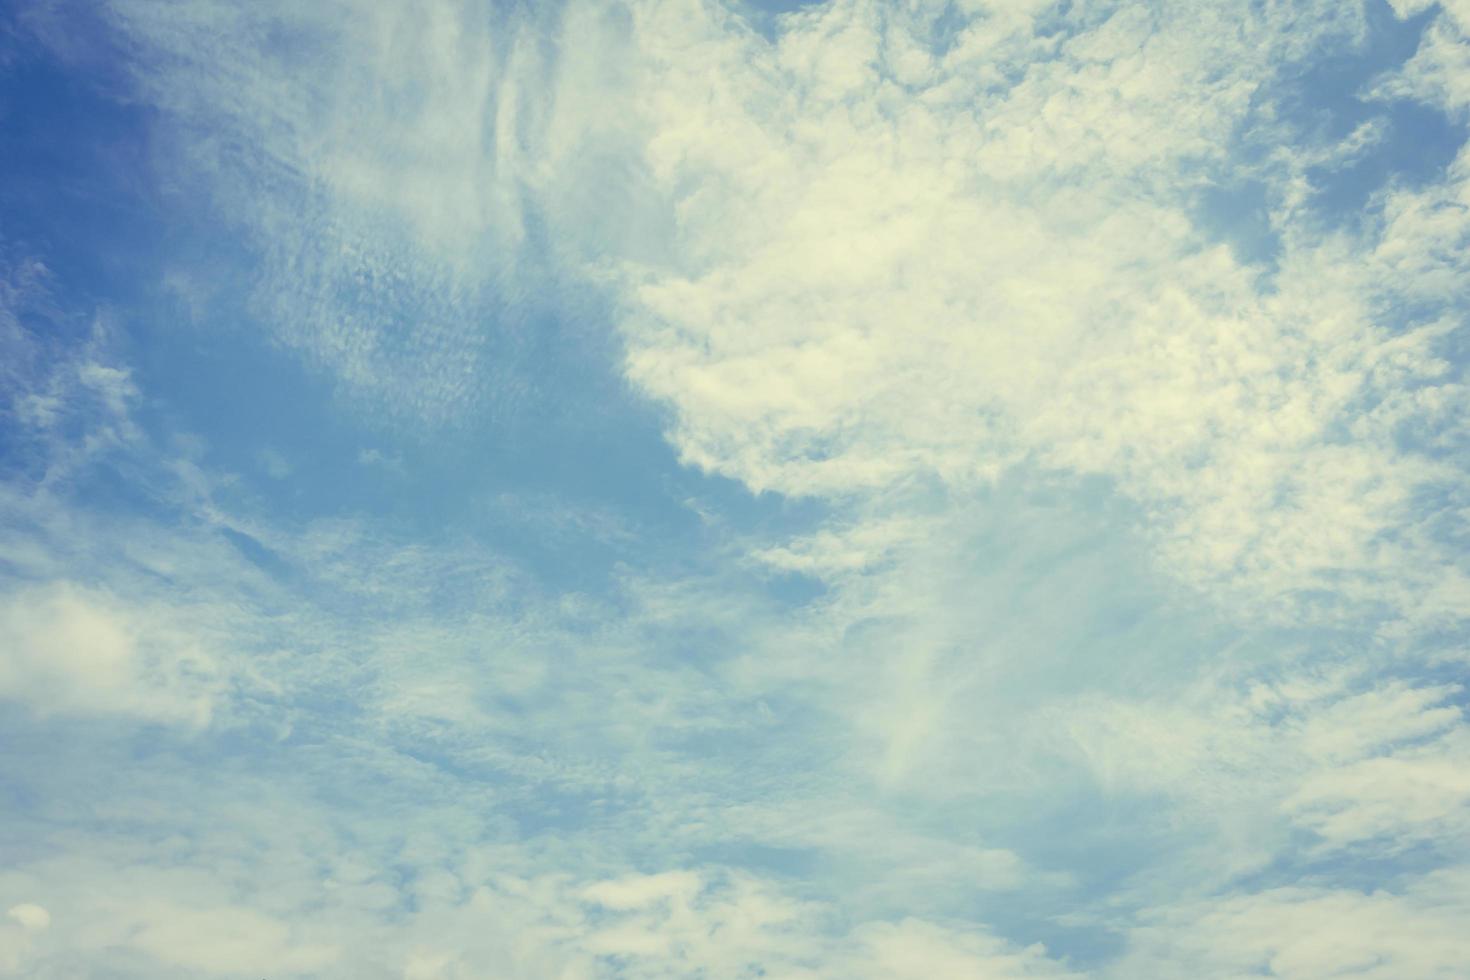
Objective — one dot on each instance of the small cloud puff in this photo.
(373, 456)
(276, 466)
(76, 651)
(32, 918)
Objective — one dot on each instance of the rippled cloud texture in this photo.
(711, 489)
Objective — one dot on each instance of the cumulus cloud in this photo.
(32, 918)
(954, 288)
(880, 246)
(73, 651)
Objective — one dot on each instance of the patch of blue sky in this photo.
(1320, 103)
(77, 189)
(1332, 98)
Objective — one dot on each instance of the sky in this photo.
(716, 488)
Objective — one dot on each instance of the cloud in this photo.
(429, 176)
(73, 651)
(1323, 745)
(834, 296)
(32, 918)
(219, 941)
(311, 902)
(1013, 274)
(376, 457)
(1438, 70)
(1412, 796)
(1311, 932)
(276, 466)
(67, 399)
(919, 949)
(17, 936)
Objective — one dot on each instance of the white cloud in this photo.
(1277, 801)
(66, 397)
(373, 456)
(475, 913)
(76, 651)
(18, 936)
(916, 949)
(1306, 933)
(874, 295)
(414, 165)
(854, 256)
(1230, 740)
(32, 918)
(215, 941)
(1439, 71)
(1418, 794)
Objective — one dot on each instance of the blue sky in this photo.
(675, 489)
